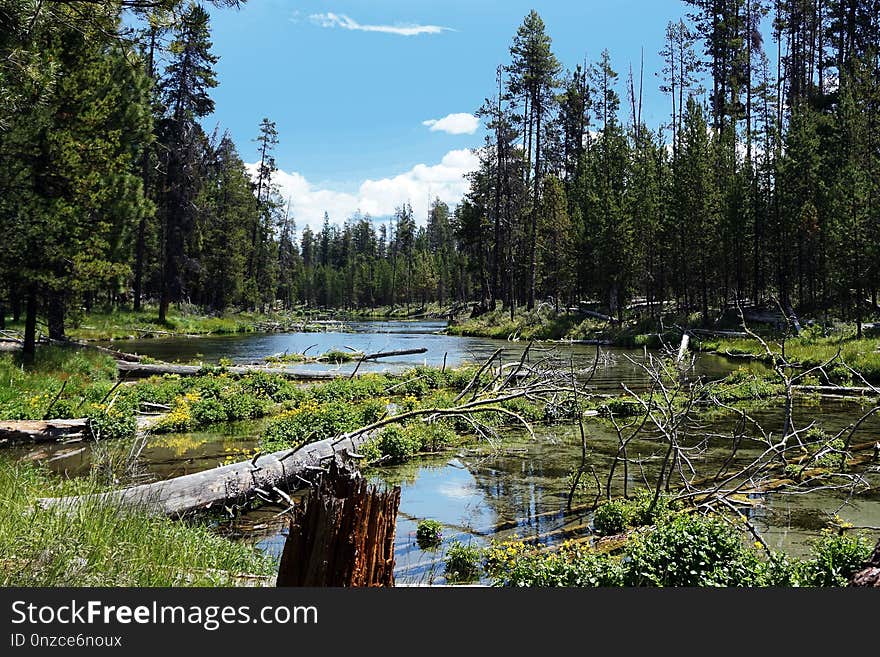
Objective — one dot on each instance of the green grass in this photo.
(102, 545)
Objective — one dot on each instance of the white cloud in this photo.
(454, 124)
(419, 186)
(346, 23)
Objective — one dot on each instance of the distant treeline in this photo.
(763, 183)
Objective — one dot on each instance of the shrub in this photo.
(564, 409)
(463, 562)
(243, 406)
(620, 408)
(429, 534)
(208, 411)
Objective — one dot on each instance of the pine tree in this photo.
(184, 88)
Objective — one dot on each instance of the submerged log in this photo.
(228, 484)
(40, 431)
(343, 535)
(79, 344)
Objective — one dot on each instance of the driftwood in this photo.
(840, 390)
(343, 535)
(219, 487)
(39, 431)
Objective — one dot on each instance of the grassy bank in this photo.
(101, 545)
(128, 324)
(545, 324)
(809, 350)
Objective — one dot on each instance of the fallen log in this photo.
(228, 484)
(41, 431)
(118, 355)
(841, 390)
(144, 370)
(389, 354)
(721, 334)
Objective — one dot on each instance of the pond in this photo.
(479, 494)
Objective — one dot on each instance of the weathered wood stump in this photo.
(343, 535)
(869, 574)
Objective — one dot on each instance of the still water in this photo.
(476, 493)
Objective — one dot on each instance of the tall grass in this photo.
(98, 544)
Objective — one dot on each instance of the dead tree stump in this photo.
(869, 573)
(343, 535)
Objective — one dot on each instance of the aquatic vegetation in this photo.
(429, 534)
(683, 549)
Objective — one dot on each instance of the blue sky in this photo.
(350, 91)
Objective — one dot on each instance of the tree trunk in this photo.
(139, 263)
(55, 315)
(343, 535)
(16, 308)
(869, 573)
(30, 326)
(533, 247)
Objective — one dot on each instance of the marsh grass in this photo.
(99, 544)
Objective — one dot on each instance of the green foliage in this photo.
(620, 408)
(511, 564)
(429, 534)
(463, 562)
(616, 516)
(691, 550)
(834, 559)
(613, 517)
